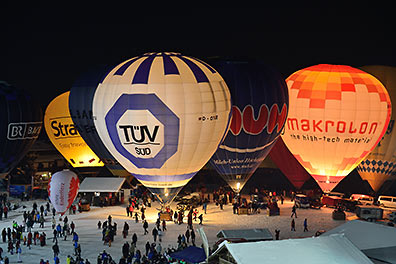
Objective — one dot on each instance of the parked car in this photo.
(392, 217)
(363, 199)
(315, 203)
(259, 201)
(301, 201)
(348, 204)
(84, 205)
(387, 201)
(369, 213)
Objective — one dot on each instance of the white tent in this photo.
(101, 184)
(377, 241)
(330, 250)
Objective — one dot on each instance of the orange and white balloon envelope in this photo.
(337, 115)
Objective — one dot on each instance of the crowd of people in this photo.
(21, 237)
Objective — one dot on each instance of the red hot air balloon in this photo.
(288, 164)
(62, 190)
(337, 115)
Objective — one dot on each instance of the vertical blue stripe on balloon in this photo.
(125, 66)
(198, 73)
(143, 71)
(169, 65)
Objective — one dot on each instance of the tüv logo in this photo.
(141, 133)
(143, 129)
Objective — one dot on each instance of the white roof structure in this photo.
(366, 235)
(101, 184)
(377, 241)
(255, 234)
(335, 249)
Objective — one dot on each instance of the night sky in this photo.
(43, 49)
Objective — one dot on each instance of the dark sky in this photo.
(43, 49)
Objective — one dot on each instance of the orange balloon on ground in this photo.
(337, 115)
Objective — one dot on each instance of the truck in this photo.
(330, 201)
(369, 213)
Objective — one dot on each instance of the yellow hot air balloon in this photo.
(64, 135)
(381, 162)
(337, 115)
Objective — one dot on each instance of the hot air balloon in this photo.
(337, 115)
(80, 106)
(62, 190)
(260, 102)
(162, 116)
(379, 165)
(64, 135)
(21, 121)
(288, 164)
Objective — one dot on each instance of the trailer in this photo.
(369, 213)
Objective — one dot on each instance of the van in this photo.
(387, 201)
(363, 199)
(369, 213)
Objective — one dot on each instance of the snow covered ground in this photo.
(214, 220)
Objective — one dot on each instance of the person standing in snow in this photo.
(187, 235)
(155, 234)
(305, 225)
(294, 211)
(145, 226)
(192, 237)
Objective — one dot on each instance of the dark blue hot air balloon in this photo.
(20, 124)
(260, 104)
(80, 106)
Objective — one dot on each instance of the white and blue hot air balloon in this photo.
(162, 116)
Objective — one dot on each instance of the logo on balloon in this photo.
(63, 127)
(143, 129)
(267, 118)
(141, 133)
(22, 130)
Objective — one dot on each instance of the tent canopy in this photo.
(366, 235)
(255, 234)
(330, 250)
(101, 184)
(377, 241)
(190, 254)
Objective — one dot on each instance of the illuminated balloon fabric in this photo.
(288, 164)
(337, 115)
(80, 106)
(64, 135)
(380, 164)
(260, 102)
(62, 190)
(20, 120)
(162, 116)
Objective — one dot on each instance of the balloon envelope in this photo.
(64, 135)
(162, 116)
(288, 164)
(62, 190)
(337, 115)
(80, 106)
(260, 102)
(20, 121)
(379, 165)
